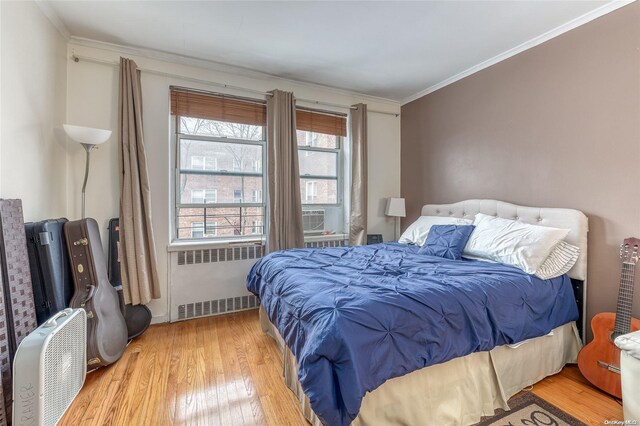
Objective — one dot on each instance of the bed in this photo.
(383, 335)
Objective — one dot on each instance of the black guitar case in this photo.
(106, 328)
(137, 317)
(50, 272)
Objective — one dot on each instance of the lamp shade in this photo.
(395, 207)
(87, 135)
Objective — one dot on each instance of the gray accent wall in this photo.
(555, 126)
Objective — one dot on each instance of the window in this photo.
(219, 160)
(311, 139)
(200, 162)
(198, 229)
(219, 167)
(210, 163)
(320, 136)
(257, 227)
(319, 172)
(311, 192)
(204, 196)
(197, 162)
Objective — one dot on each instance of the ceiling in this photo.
(388, 49)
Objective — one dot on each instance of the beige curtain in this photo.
(358, 212)
(137, 247)
(284, 205)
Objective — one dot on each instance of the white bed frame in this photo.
(571, 219)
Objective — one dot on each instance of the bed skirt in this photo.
(457, 392)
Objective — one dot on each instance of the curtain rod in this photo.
(78, 58)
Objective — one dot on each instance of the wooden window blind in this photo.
(217, 107)
(318, 122)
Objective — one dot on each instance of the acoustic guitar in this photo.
(599, 361)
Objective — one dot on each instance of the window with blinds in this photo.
(219, 165)
(218, 108)
(220, 178)
(320, 122)
(320, 153)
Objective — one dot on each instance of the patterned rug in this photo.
(528, 409)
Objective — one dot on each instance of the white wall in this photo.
(92, 101)
(33, 155)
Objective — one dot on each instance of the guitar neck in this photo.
(625, 299)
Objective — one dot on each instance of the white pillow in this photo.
(559, 262)
(417, 232)
(512, 243)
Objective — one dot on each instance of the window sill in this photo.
(209, 244)
(329, 237)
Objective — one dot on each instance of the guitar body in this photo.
(593, 358)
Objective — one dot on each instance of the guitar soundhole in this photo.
(612, 335)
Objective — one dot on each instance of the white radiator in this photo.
(49, 369)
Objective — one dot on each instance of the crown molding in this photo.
(50, 13)
(574, 23)
(174, 58)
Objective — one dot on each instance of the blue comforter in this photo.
(355, 317)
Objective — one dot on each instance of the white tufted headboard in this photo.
(571, 219)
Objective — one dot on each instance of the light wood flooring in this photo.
(224, 371)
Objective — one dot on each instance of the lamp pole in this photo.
(88, 148)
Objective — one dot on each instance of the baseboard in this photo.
(160, 319)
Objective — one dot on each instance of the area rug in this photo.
(528, 409)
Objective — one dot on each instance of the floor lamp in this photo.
(395, 208)
(89, 138)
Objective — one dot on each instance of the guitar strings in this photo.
(625, 297)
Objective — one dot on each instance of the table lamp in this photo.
(395, 208)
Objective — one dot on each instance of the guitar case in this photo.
(50, 273)
(137, 317)
(106, 328)
(114, 252)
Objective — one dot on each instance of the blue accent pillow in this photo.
(446, 241)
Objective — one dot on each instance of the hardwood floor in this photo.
(224, 371)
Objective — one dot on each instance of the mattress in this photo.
(355, 317)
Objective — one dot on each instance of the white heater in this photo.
(49, 369)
